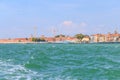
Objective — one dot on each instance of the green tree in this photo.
(38, 39)
(79, 36)
(34, 39)
(61, 35)
(42, 39)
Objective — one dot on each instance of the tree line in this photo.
(78, 36)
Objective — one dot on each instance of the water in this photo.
(59, 61)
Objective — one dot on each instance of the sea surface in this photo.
(59, 61)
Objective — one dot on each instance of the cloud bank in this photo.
(68, 27)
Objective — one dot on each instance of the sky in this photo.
(18, 18)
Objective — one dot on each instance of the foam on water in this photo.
(60, 62)
(9, 71)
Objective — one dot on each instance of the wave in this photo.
(60, 62)
(9, 71)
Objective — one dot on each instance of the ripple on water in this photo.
(60, 62)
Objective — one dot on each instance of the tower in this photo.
(35, 32)
(116, 31)
(54, 32)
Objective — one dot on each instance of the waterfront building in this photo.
(110, 37)
(86, 39)
(15, 40)
(71, 39)
(50, 39)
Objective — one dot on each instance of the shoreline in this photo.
(58, 43)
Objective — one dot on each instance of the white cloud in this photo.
(70, 27)
(67, 23)
(72, 24)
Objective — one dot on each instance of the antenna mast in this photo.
(54, 32)
(35, 31)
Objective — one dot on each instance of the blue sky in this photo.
(69, 17)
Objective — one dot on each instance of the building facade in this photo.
(110, 37)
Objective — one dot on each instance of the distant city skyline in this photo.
(19, 17)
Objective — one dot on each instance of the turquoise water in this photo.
(59, 61)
